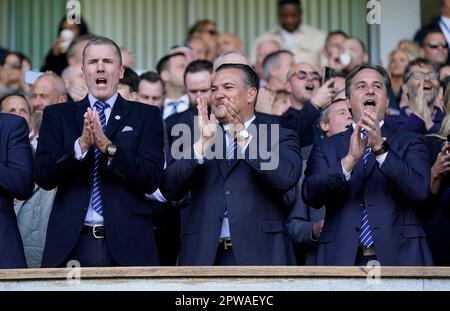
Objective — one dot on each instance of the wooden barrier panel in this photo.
(228, 278)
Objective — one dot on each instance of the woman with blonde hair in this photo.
(398, 61)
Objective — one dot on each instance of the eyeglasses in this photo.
(303, 75)
(14, 65)
(436, 45)
(418, 75)
(212, 32)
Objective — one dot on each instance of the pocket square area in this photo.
(127, 129)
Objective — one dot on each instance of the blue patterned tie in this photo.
(96, 199)
(365, 235)
(231, 148)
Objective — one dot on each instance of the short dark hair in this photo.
(103, 41)
(18, 94)
(130, 78)
(152, 77)
(377, 68)
(361, 43)
(420, 62)
(163, 63)
(199, 26)
(251, 79)
(19, 55)
(198, 66)
(295, 2)
(428, 32)
(82, 26)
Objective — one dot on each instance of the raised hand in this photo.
(356, 149)
(86, 139)
(440, 168)
(100, 139)
(323, 96)
(370, 123)
(207, 126)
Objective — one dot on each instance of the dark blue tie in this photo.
(365, 235)
(96, 199)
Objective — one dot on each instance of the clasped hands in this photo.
(208, 125)
(369, 122)
(93, 133)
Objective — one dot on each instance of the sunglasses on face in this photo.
(15, 65)
(436, 45)
(303, 75)
(418, 75)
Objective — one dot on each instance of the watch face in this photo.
(111, 149)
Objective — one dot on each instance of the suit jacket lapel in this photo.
(79, 108)
(118, 114)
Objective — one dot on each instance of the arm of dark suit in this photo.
(299, 223)
(53, 161)
(283, 169)
(143, 171)
(16, 175)
(177, 178)
(410, 174)
(322, 179)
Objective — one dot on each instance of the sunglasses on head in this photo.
(436, 45)
(303, 75)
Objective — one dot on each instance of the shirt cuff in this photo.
(199, 157)
(156, 196)
(77, 148)
(346, 174)
(381, 158)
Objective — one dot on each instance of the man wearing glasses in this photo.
(308, 97)
(434, 47)
(423, 114)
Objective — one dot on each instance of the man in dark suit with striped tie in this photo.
(372, 179)
(238, 215)
(104, 154)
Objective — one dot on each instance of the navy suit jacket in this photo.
(253, 198)
(136, 169)
(391, 193)
(16, 181)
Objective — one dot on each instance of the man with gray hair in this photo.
(48, 89)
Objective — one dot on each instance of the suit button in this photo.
(227, 192)
(357, 229)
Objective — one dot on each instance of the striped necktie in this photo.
(96, 199)
(232, 145)
(365, 235)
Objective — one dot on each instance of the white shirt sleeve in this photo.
(346, 174)
(199, 157)
(77, 148)
(381, 158)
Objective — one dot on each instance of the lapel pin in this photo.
(117, 118)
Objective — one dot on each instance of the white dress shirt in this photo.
(92, 217)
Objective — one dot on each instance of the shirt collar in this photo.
(354, 124)
(445, 19)
(246, 124)
(183, 99)
(111, 101)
